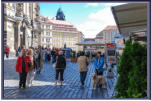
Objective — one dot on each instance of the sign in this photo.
(110, 45)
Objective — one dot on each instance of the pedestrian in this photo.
(32, 70)
(60, 67)
(7, 50)
(22, 67)
(98, 64)
(46, 53)
(53, 54)
(49, 55)
(39, 60)
(18, 51)
(57, 51)
(83, 67)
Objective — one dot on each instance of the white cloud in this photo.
(90, 28)
(113, 4)
(96, 22)
(92, 4)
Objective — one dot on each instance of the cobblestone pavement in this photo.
(44, 84)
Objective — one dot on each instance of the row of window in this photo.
(62, 44)
(64, 38)
(46, 26)
(45, 39)
(47, 33)
(65, 34)
(110, 35)
(63, 25)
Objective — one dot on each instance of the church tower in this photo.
(60, 15)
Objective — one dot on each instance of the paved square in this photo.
(44, 84)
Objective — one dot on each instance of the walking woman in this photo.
(32, 70)
(60, 66)
(22, 67)
(83, 67)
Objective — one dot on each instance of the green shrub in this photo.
(132, 80)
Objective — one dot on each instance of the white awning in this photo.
(90, 43)
(130, 17)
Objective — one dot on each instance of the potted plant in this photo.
(110, 74)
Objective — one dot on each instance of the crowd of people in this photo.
(30, 62)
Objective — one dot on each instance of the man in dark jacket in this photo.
(60, 66)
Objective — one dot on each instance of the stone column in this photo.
(16, 35)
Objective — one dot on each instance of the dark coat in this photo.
(61, 62)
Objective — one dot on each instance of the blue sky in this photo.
(74, 12)
(90, 18)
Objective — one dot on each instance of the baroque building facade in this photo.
(59, 33)
(46, 34)
(21, 25)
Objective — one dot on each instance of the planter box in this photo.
(110, 75)
(73, 59)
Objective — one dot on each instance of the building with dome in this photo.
(58, 32)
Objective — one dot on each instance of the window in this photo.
(47, 40)
(43, 40)
(47, 26)
(105, 35)
(48, 33)
(42, 26)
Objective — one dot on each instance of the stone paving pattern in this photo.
(44, 84)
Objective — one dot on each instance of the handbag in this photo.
(54, 65)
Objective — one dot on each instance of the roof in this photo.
(90, 43)
(89, 39)
(60, 22)
(130, 17)
(100, 34)
(110, 28)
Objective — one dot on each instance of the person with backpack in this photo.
(83, 67)
(60, 67)
(98, 64)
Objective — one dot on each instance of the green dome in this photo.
(60, 15)
(59, 10)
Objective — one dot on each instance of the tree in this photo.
(123, 70)
(132, 80)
